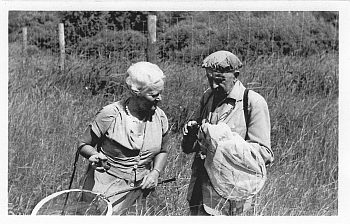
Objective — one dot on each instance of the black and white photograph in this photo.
(198, 108)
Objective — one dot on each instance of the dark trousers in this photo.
(232, 207)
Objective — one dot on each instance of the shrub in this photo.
(111, 44)
(250, 35)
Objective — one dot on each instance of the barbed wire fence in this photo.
(178, 39)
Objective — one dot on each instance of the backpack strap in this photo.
(245, 109)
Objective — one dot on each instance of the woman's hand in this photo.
(99, 162)
(151, 180)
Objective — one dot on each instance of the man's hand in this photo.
(191, 128)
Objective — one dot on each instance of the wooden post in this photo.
(151, 47)
(25, 44)
(62, 45)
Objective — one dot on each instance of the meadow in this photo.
(48, 110)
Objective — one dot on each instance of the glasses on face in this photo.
(216, 77)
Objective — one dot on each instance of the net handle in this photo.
(48, 198)
(138, 187)
(71, 178)
(109, 204)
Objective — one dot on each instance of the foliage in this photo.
(82, 24)
(184, 38)
(111, 44)
(42, 28)
(104, 33)
(188, 35)
(327, 16)
(252, 34)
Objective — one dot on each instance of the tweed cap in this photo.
(222, 61)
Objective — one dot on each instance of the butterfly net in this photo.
(73, 202)
(235, 168)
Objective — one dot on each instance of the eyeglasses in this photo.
(216, 77)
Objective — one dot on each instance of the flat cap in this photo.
(222, 61)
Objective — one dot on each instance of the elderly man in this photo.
(223, 102)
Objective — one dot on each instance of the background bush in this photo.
(190, 34)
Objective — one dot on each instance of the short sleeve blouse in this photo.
(118, 142)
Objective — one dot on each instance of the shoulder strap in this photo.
(245, 109)
(205, 104)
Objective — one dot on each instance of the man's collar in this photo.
(237, 91)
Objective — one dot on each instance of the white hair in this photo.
(143, 75)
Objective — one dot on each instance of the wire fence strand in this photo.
(189, 39)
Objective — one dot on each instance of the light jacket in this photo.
(230, 111)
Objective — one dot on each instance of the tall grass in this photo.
(49, 110)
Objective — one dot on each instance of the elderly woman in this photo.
(129, 136)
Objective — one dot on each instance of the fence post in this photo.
(151, 46)
(25, 43)
(62, 45)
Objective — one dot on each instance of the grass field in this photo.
(47, 111)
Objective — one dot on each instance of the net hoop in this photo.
(56, 194)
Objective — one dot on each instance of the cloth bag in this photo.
(235, 168)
